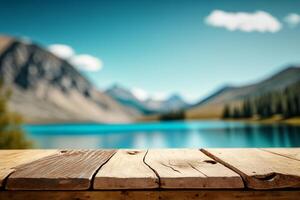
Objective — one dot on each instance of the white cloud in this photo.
(259, 21)
(86, 62)
(82, 61)
(140, 94)
(292, 19)
(61, 50)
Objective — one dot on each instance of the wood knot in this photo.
(267, 177)
(133, 152)
(210, 161)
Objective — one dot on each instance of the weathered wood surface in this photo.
(152, 195)
(293, 153)
(260, 169)
(68, 170)
(10, 159)
(126, 170)
(178, 169)
(190, 168)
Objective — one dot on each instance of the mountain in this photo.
(173, 103)
(49, 89)
(147, 106)
(213, 105)
(127, 98)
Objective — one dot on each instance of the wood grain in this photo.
(190, 168)
(293, 153)
(153, 195)
(126, 170)
(10, 159)
(68, 170)
(260, 169)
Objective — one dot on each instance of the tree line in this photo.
(173, 115)
(285, 103)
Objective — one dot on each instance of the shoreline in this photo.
(291, 121)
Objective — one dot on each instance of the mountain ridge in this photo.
(212, 106)
(147, 106)
(49, 89)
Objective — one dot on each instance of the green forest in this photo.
(285, 103)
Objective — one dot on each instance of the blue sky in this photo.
(165, 46)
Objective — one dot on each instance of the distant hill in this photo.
(49, 89)
(148, 106)
(213, 105)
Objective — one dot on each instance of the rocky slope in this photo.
(212, 106)
(49, 89)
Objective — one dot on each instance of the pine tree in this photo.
(226, 112)
(284, 102)
(236, 113)
(11, 133)
(246, 109)
(278, 108)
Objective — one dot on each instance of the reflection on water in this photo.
(164, 135)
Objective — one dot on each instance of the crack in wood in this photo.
(175, 170)
(279, 154)
(95, 173)
(241, 174)
(155, 172)
(197, 169)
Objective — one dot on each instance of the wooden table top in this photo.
(257, 169)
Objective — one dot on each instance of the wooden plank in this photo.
(260, 169)
(69, 170)
(126, 170)
(153, 195)
(293, 153)
(10, 159)
(190, 168)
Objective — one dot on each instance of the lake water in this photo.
(177, 134)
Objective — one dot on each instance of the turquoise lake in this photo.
(179, 134)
